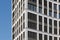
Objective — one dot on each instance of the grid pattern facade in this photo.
(35, 19)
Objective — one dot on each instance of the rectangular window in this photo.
(40, 9)
(23, 35)
(40, 2)
(45, 24)
(32, 25)
(55, 23)
(50, 5)
(40, 6)
(50, 37)
(50, 29)
(59, 31)
(55, 6)
(59, 15)
(45, 3)
(24, 16)
(40, 19)
(55, 38)
(19, 29)
(32, 16)
(50, 12)
(19, 37)
(59, 24)
(45, 21)
(55, 14)
(45, 37)
(45, 11)
(40, 36)
(23, 25)
(45, 7)
(40, 27)
(45, 28)
(55, 31)
(50, 22)
(32, 36)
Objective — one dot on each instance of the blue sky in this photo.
(5, 19)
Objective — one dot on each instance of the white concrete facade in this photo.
(26, 29)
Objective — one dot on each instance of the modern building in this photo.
(35, 19)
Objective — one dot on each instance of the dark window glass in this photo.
(55, 14)
(23, 35)
(40, 6)
(59, 23)
(13, 29)
(23, 16)
(55, 23)
(45, 3)
(50, 5)
(13, 7)
(40, 19)
(40, 2)
(40, 36)
(45, 7)
(59, 38)
(32, 16)
(55, 38)
(45, 28)
(50, 12)
(59, 7)
(50, 22)
(59, 15)
(45, 11)
(13, 36)
(32, 36)
(45, 37)
(50, 37)
(40, 9)
(32, 25)
(45, 24)
(50, 29)
(59, 0)
(55, 0)
(55, 6)
(59, 31)
(40, 27)
(55, 31)
(45, 20)
(19, 29)
(19, 21)
(13, 14)
(23, 25)
(19, 37)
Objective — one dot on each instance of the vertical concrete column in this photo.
(42, 6)
(48, 25)
(26, 4)
(43, 23)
